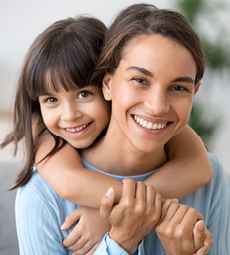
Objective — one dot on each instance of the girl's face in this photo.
(78, 116)
(151, 91)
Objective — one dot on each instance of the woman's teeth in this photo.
(74, 130)
(149, 125)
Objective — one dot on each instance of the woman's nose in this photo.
(70, 112)
(157, 102)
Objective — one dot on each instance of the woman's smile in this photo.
(152, 92)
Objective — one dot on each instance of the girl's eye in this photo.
(84, 94)
(51, 100)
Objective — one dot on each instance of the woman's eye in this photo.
(179, 88)
(84, 94)
(51, 100)
(140, 80)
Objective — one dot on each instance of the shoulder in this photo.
(219, 174)
(37, 193)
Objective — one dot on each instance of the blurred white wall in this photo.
(21, 21)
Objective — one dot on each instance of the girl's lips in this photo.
(78, 130)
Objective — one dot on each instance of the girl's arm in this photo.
(189, 168)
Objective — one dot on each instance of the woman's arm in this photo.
(188, 169)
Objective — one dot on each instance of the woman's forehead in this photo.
(156, 53)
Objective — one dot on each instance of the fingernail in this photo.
(201, 227)
(109, 192)
(175, 200)
(63, 226)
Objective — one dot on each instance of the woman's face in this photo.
(151, 91)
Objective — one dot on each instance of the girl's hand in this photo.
(137, 213)
(181, 231)
(88, 233)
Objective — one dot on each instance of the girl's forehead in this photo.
(54, 81)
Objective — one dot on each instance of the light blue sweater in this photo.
(40, 212)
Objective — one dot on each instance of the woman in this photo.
(151, 66)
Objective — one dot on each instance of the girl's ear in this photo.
(106, 87)
(197, 86)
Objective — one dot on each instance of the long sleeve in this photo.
(213, 201)
(109, 247)
(39, 214)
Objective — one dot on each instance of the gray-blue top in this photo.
(40, 212)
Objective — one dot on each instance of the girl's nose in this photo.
(70, 112)
(157, 102)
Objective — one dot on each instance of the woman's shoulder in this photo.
(38, 190)
(219, 173)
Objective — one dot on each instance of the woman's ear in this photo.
(197, 86)
(106, 86)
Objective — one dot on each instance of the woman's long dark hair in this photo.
(146, 19)
(68, 52)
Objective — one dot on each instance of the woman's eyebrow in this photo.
(184, 79)
(140, 69)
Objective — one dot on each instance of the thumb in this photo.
(107, 202)
(199, 234)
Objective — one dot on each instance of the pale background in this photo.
(21, 21)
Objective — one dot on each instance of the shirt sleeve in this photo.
(37, 225)
(109, 247)
(218, 220)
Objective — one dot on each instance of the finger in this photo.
(128, 192)
(93, 249)
(140, 194)
(199, 234)
(81, 247)
(193, 215)
(208, 243)
(72, 238)
(107, 202)
(71, 219)
(168, 210)
(178, 217)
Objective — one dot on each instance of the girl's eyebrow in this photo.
(47, 94)
(140, 69)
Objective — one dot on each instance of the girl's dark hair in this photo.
(67, 51)
(146, 19)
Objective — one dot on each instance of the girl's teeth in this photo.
(149, 125)
(74, 130)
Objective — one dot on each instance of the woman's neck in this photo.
(116, 156)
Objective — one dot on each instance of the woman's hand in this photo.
(182, 232)
(88, 233)
(137, 213)
(202, 238)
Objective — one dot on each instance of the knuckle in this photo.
(169, 231)
(192, 210)
(140, 210)
(128, 181)
(179, 233)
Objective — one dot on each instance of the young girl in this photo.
(55, 80)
